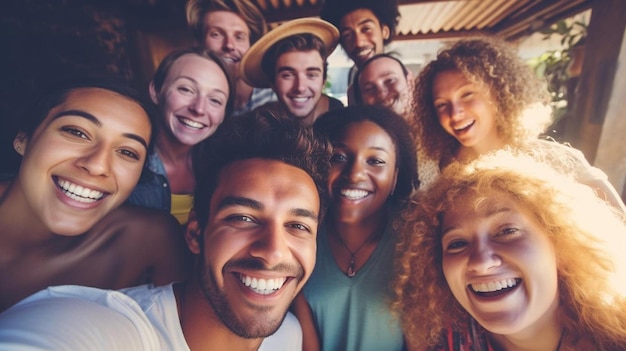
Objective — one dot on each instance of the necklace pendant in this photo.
(351, 271)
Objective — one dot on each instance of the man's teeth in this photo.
(364, 53)
(263, 286)
(494, 286)
(354, 194)
(192, 124)
(79, 193)
(229, 59)
(300, 99)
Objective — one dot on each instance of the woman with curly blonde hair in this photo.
(521, 258)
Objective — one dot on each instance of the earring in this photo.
(18, 149)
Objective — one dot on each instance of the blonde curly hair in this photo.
(517, 93)
(587, 233)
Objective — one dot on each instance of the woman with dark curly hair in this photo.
(520, 257)
(479, 96)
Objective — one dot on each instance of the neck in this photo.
(171, 151)
(202, 328)
(467, 154)
(354, 234)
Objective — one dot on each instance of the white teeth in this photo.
(354, 194)
(300, 99)
(263, 286)
(79, 193)
(363, 53)
(494, 286)
(191, 124)
(463, 126)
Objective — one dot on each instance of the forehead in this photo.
(357, 18)
(199, 68)
(110, 108)
(268, 182)
(380, 66)
(366, 134)
(296, 57)
(225, 20)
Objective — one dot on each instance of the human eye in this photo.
(507, 232)
(216, 102)
(130, 154)
(376, 161)
(286, 75)
(300, 227)
(346, 36)
(338, 157)
(440, 106)
(241, 221)
(184, 89)
(455, 246)
(214, 34)
(241, 37)
(74, 131)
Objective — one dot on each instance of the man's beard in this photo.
(251, 328)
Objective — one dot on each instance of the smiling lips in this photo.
(79, 193)
(191, 124)
(494, 288)
(262, 286)
(354, 194)
(464, 127)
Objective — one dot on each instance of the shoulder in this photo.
(73, 317)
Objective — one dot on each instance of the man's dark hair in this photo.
(258, 134)
(385, 10)
(296, 42)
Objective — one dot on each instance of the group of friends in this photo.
(238, 207)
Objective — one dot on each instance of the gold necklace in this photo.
(351, 271)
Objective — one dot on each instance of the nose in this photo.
(355, 171)
(271, 245)
(457, 110)
(482, 258)
(229, 43)
(96, 161)
(198, 105)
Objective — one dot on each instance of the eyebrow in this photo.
(342, 145)
(289, 68)
(93, 119)
(485, 214)
(231, 201)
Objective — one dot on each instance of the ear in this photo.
(386, 32)
(20, 142)
(192, 233)
(154, 95)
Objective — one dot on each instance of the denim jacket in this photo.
(153, 189)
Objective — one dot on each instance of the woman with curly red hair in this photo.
(519, 257)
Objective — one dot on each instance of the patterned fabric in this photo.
(473, 339)
(258, 98)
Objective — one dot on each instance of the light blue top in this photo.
(353, 313)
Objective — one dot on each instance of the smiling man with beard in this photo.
(253, 230)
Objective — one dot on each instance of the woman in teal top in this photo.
(373, 171)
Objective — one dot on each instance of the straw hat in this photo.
(250, 66)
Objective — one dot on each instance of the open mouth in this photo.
(262, 286)
(77, 192)
(464, 127)
(495, 288)
(191, 124)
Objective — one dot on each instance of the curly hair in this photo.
(246, 9)
(510, 82)
(334, 123)
(258, 134)
(387, 12)
(587, 232)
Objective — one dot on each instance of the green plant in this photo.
(554, 65)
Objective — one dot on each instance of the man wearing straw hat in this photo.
(291, 59)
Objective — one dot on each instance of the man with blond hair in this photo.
(229, 28)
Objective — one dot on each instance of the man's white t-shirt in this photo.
(82, 318)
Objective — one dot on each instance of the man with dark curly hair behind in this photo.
(365, 27)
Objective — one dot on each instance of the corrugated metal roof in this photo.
(427, 19)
